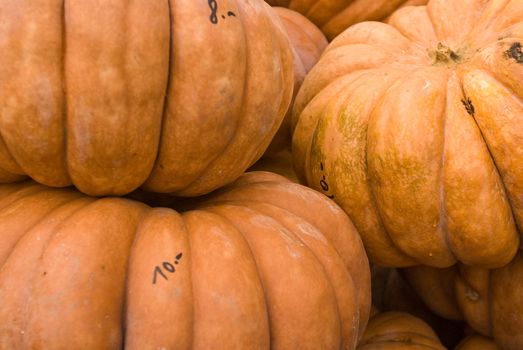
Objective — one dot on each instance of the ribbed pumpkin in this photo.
(335, 16)
(489, 300)
(399, 331)
(415, 129)
(308, 43)
(180, 96)
(265, 263)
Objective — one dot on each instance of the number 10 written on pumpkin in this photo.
(167, 267)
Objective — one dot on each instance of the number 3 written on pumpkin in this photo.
(167, 266)
(213, 4)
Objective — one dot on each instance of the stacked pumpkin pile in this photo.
(407, 132)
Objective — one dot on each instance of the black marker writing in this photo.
(324, 185)
(214, 11)
(166, 266)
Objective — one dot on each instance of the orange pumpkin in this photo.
(415, 127)
(477, 342)
(308, 43)
(398, 331)
(263, 263)
(489, 300)
(334, 16)
(178, 96)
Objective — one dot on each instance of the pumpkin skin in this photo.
(477, 342)
(392, 292)
(264, 262)
(398, 331)
(414, 128)
(176, 96)
(488, 300)
(308, 43)
(333, 17)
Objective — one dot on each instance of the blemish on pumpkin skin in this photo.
(515, 52)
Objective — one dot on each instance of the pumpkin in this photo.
(263, 263)
(279, 163)
(177, 96)
(398, 331)
(477, 342)
(414, 127)
(337, 15)
(392, 292)
(489, 300)
(308, 42)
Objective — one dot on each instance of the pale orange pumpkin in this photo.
(308, 44)
(477, 342)
(398, 331)
(415, 128)
(335, 16)
(488, 300)
(264, 263)
(178, 96)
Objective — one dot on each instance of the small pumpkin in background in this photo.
(279, 163)
(308, 43)
(264, 263)
(414, 128)
(398, 331)
(333, 17)
(477, 342)
(175, 96)
(392, 292)
(488, 300)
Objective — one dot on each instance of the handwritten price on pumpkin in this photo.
(166, 267)
(213, 5)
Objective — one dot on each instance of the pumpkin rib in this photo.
(233, 136)
(19, 192)
(38, 212)
(340, 83)
(213, 209)
(299, 259)
(400, 254)
(328, 216)
(482, 261)
(289, 221)
(116, 125)
(242, 107)
(23, 261)
(316, 37)
(406, 258)
(316, 7)
(473, 295)
(54, 219)
(423, 34)
(496, 75)
(210, 209)
(157, 312)
(484, 19)
(385, 155)
(7, 161)
(31, 87)
(307, 122)
(85, 275)
(443, 218)
(276, 38)
(168, 87)
(229, 299)
(492, 132)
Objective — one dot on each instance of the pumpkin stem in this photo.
(443, 55)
